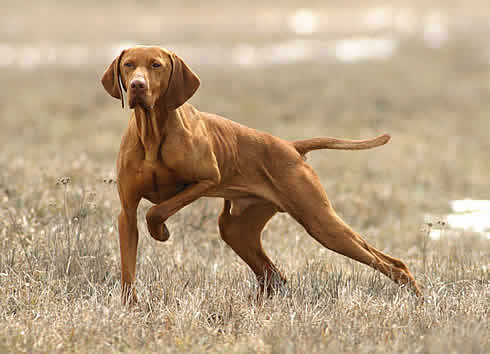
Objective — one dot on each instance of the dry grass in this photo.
(59, 257)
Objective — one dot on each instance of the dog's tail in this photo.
(305, 146)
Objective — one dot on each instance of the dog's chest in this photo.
(158, 182)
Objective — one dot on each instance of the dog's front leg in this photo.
(156, 216)
(128, 243)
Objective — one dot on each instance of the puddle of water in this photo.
(32, 56)
(303, 21)
(435, 29)
(284, 52)
(402, 20)
(433, 25)
(355, 49)
(468, 214)
(297, 50)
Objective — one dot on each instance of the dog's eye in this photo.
(128, 65)
(156, 65)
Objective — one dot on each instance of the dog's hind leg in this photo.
(305, 200)
(242, 233)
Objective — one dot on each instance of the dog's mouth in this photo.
(141, 101)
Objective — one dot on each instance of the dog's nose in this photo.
(138, 85)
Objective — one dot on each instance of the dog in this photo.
(172, 154)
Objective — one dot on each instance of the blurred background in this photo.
(419, 70)
(295, 69)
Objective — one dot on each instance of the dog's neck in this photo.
(151, 125)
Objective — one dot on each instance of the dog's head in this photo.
(150, 75)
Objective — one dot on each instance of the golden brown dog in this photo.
(173, 154)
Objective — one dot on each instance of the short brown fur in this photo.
(173, 154)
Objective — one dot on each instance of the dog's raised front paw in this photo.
(157, 228)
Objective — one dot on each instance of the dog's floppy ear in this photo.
(182, 83)
(111, 79)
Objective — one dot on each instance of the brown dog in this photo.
(173, 154)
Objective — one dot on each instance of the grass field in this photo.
(59, 253)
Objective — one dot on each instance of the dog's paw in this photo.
(159, 232)
(128, 296)
(157, 228)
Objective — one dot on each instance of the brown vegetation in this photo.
(59, 257)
